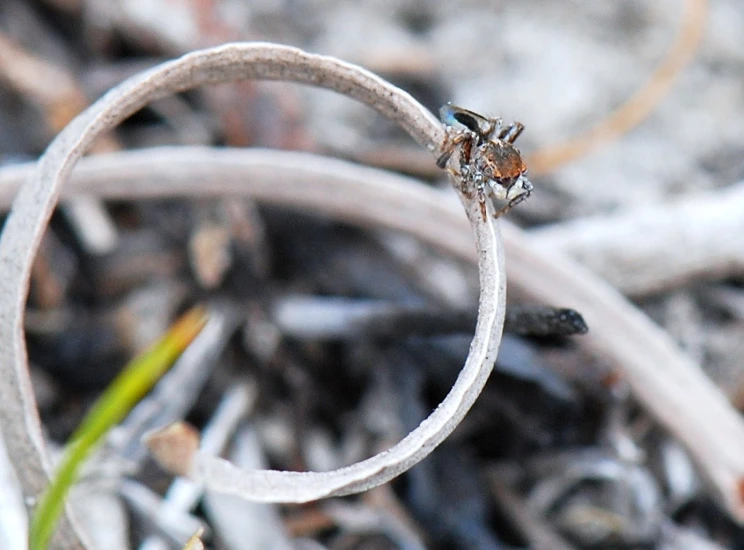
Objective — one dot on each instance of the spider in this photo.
(487, 158)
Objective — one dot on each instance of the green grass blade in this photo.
(117, 400)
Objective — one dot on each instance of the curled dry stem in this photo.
(664, 379)
(35, 201)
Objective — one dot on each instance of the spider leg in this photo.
(463, 173)
(453, 172)
(449, 145)
(511, 204)
(511, 132)
(482, 204)
(495, 128)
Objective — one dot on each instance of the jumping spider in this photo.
(487, 159)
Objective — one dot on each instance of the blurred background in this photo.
(559, 68)
(628, 107)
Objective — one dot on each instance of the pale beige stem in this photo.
(35, 201)
(666, 381)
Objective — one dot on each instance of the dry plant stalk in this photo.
(664, 379)
(639, 105)
(35, 201)
(639, 251)
(650, 249)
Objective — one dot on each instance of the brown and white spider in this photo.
(488, 160)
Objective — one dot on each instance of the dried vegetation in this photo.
(346, 294)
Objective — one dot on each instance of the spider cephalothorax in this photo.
(488, 159)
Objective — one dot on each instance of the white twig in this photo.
(147, 504)
(92, 225)
(13, 521)
(655, 248)
(36, 199)
(239, 523)
(640, 251)
(183, 495)
(663, 378)
(176, 392)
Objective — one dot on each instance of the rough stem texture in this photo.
(35, 201)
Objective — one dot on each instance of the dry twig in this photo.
(35, 201)
(663, 378)
(652, 249)
(639, 251)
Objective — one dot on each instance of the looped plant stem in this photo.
(663, 378)
(35, 201)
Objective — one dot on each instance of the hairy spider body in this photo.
(488, 160)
